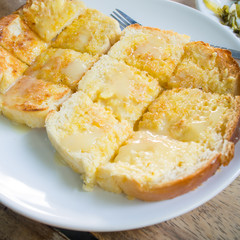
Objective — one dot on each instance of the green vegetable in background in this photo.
(229, 15)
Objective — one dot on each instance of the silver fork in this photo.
(124, 20)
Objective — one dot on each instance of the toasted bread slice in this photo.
(153, 167)
(150, 49)
(18, 39)
(208, 68)
(86, 135)
(48, 17)
(93, 32)
(125, 90)
(30, 100)
(10, 70)
(61, 66)
(193, 115)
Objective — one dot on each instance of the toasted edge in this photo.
(171, 189)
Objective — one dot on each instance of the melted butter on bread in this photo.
(119, 81)
(61, 66)
(148, 162)
(81, 141)
(75, 69)
(124, 90)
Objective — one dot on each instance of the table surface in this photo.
(217, 219)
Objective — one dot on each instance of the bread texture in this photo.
(155, 167)
(62, 66)
(31, 99)
(48, 17)
(193, 115)
(92, 32)
(19, 40)
(150, 49)
(124, 90)
(86, 135)
(10, 70)
(207, 68)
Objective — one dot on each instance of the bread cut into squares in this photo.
(48, 17)
(10, 70)
(31, 99)
(150, 49)
(155, 167)
(18, 39)
(125, 90)
(86, 135)
(92, 32)
(208, 68)
(61, 66)
(193, 115)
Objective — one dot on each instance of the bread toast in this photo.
(30, 99)
(150, 49)
(48, 17)
(10, 70)
(86, 135)
(155, 167)
(92, 32)
(125, 90)
(61, 66)
(19, 40)
(207, 68)
(193, 115)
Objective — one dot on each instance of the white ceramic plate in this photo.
(202, 7)
(34, 184)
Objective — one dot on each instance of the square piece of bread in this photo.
(153, 167)
(31, 99)
(150, 49)
(48, 17)
(61, 66)
(86, 135)
(208, 68)
(92, 32)
(125, 90)
(193, 115)
(10, 70)
(18, 39)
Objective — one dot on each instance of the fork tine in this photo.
(122, 25)
(124, 21)
(129, 19)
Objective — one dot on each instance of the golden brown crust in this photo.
(171, 189)
(227, 153)
(226, 61)
(30, 99)
(152, 29)
(207, 68)
(233, 126)
(92, 32)
(137, 26)
(48, 17)
(152, 50)
(17, 38)
(10, 70)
